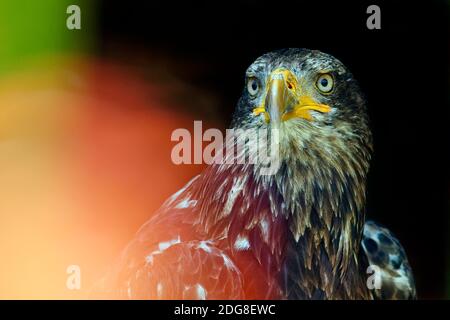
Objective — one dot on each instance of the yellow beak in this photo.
(283, 100)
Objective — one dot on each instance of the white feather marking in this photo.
(201, 292)
(167, 244)
(238, 184)
(186, 203)
(150, 258)
(264, 226)
(241, 243)
(204, 245)
(161, 247)
(228, 263)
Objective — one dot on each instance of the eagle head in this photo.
(311, 98)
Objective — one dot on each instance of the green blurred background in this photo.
(32, 30)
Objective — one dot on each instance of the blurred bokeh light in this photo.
(84, 151)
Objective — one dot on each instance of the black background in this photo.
(402, 69)
(283, 309)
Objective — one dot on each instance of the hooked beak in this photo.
(283, 100)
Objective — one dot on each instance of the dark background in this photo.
(402, 68)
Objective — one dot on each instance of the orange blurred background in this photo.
(84, 160)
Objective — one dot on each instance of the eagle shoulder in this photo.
(384, 251)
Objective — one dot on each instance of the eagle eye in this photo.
(325, 83)
(253, 86)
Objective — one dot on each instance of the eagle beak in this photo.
(284, 101)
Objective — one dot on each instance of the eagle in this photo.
(237, 232)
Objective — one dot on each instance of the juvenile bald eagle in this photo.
(234, 233)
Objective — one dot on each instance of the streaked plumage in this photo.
(384, 250)
(233, 233)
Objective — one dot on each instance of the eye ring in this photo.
(325, 83)
(253, 86)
